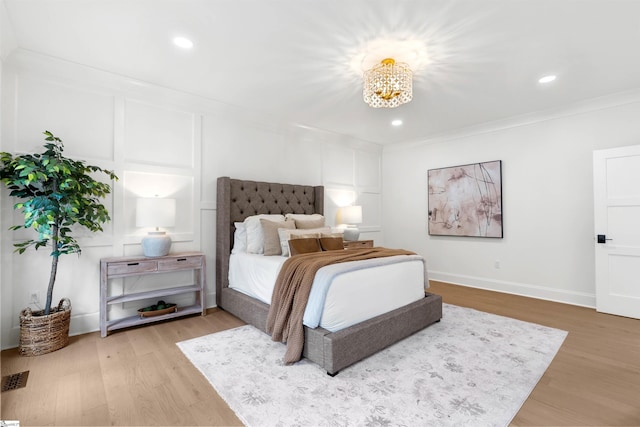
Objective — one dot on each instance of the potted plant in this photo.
(55, 194)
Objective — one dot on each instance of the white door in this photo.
(616, 175)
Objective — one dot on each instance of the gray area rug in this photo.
(471, 369)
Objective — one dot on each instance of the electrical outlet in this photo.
(496, 265)
(34, 297)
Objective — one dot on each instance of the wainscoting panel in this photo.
(338, 166)
(368, 171)
(82, 118)
(160, 136)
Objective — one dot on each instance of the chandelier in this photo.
(388, 85)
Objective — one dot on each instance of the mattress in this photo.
(354, 295)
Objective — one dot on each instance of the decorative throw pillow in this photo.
(304, 246)
(303, 216)
(271, 237)
(255, 237)
(284, 242)
(239, 238)
(331, 243)
(334, 233)
(309, 221)
(285, 235)
(306, 222)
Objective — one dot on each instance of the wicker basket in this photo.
(40, 334)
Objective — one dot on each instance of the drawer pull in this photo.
(133, 263)
(181, 259)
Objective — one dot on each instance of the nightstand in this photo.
(358, 244)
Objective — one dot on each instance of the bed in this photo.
(333, 351)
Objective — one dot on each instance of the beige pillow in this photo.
(306, 222)
(303, 216)
(304, 246)
(255, 238)
(333, 234)
(271, 237)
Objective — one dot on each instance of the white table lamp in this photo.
(350, 216)
(156, 212)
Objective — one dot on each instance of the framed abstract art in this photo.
(466, 200)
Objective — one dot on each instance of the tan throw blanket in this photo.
(291, 292)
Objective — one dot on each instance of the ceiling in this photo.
(301, 61)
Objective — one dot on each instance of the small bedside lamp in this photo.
(156, 212)
(351, 215)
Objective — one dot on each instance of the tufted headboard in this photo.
(238, 199)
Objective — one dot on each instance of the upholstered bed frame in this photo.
(333, 351)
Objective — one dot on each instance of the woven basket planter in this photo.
(40, 334)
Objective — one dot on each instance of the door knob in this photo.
(602, 238)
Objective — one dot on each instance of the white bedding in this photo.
(353, 296)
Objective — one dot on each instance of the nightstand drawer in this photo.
(133, 267)
(179, 263)
(358, 244)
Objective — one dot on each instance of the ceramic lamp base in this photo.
(156, 243)
(351, 234)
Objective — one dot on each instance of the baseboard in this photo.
(84, 324)
(87, 323)
(81, 324)
(523, 289)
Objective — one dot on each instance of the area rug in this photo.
(470, 369)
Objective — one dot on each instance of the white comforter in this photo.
(342, 294)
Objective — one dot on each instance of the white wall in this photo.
(548, 245)
(158, 141)
(7, 39)
(7, 44)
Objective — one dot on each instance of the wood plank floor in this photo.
(594, 380)
(140, 377)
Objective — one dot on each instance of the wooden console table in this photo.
(120, 267)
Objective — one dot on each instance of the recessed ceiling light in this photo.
(547, 79)
(183, 42)
(396, 122)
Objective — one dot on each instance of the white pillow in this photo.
(286, 235)
(255, 237)
(239, 238)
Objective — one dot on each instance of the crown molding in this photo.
(586, 106)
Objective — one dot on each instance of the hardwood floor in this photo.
(140, 377)
(132, 377)
(594, 380)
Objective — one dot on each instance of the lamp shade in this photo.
(351, 215)
(155, 212)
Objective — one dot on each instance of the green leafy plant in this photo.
(56, 193)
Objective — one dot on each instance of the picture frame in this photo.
(466, 200)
